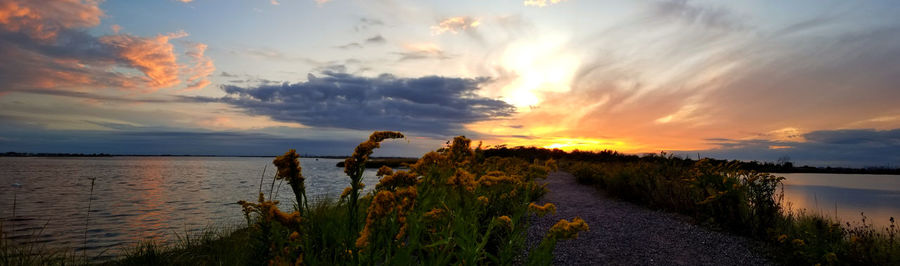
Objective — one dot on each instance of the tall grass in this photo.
(453, 206)
(721, 195)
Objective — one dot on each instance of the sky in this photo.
(814, 81)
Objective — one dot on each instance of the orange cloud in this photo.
(44, 19)
(152, 56)
(202, 68)
(455, 25)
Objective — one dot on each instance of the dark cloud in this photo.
(377, 39)
(850, 147)
(436, 106)
(366, 23)
(374, 40)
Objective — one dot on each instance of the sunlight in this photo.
(540, 68)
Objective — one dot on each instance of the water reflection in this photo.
(141, 198)
(845, 197)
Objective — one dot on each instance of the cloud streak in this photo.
(848, 148)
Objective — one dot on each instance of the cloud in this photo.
(366, 23)
(152, 56)
(45, 45)
(423, 51)
(839, 148)
(377, 39)
(201, 70)
(43, 20)
(683, 11)
(455, 25)
(432, 105)
(321, 2)
(541, 3)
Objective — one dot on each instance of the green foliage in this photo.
(721, 194)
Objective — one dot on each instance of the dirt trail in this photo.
(623, 233)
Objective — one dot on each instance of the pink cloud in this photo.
(152, 56)
(44, 20)
(202, 68)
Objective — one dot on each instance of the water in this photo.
(141, 198)
(846, 196)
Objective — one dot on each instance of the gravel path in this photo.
(623, 233)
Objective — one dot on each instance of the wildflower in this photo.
(289, 168)
(397, 180)
(294, 236)
(427, 160)
(567, 230)
(384, 170)
(484, 200)
(381, 205)
(505, 221)
(782, 238)
(542, 210)
(798, 242)
(493, 178)
(830, 257)
(354, 165)
(460, 151)
(463, 180)
(551, 164)
(346, 192)
(406, 198)
(434, 214)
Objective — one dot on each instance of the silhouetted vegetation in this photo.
(389, 162)
(783, 165)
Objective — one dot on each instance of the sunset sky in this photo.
(818, 81)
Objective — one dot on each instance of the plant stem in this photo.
(87, 220)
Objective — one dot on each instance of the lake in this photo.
(142, 198)
(845, 196)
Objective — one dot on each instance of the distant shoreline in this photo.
(28, 154)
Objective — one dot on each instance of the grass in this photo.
(452, 206)
(723, 196)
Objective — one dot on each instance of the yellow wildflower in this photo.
(397, 180)
(294, 236)
(434, 214)
(346, 192)
(484, 200)
(354, 165)
(542, 210)
(782, 238)
(567, 230)
(505, 221)
(289, 168)
(496, 177)
(798, 242)
(830, 257)
(384, 170)
(381, 205)
(462, 179)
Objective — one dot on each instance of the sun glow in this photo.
(540, 68)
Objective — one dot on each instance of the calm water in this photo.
(845, 196)
(141, 198)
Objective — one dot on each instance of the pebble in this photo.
(622, 233)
